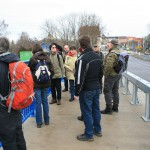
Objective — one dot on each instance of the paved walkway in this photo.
(121, 131)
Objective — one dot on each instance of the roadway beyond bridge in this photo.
(125, 130)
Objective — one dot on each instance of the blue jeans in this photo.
(71, 82)
(90, 108)
(41, 95)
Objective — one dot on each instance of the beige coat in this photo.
(70, 66)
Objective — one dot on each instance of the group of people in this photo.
(84, 74)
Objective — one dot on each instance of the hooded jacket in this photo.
(32, 64)
(5, 59)
(88, 72)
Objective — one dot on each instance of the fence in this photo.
(138, 83)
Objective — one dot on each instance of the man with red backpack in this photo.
(11, 133)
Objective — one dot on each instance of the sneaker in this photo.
(46, 123)
(53, 101)
(59, 102)
(71, 99)
(80, 118)
(64, 90)
(83, 137)
(39, 125)
(99, 134)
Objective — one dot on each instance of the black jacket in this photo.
(88, 72)
(32, 64)
(5, 59)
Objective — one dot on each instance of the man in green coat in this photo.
(111, 82)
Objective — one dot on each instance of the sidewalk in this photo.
(125, 130)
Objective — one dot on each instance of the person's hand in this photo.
(76, 97)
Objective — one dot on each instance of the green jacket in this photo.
(59, 71)
(109, 62)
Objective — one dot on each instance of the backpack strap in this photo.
(58, 60)
(2, 98)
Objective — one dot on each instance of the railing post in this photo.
(135, 100)
(147, 108)
(126, 89)
(121, 82)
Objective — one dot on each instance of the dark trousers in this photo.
(111, 90)
(11, 134)
(56, 86)
(66, 83)
(71, 82)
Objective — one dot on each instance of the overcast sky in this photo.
(121, 17)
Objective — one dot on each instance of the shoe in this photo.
(114, 109)
(53, 101)
(107, 110)
(59, 102)
(71, 99)
(46, 123)
(83, 137)
(64, 90)
(80, 118)
(99, 134)
(39, 125)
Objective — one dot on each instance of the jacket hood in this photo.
(40, 55)
(8, 57)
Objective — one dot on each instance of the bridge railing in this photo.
(138, 83)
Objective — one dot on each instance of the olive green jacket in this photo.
(109, 62)
(59, 71)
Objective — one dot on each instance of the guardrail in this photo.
(138, 83)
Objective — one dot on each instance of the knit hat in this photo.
(114, 42)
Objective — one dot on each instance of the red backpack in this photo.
(22, 86)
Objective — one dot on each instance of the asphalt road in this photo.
(139, 67)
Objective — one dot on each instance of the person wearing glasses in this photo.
(59, 73)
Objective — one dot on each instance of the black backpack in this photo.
(122, 62)
(42, 72)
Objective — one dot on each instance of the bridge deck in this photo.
(121, 131)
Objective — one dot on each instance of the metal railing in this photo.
(138, 83)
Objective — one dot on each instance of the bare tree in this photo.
(50, 30)
(68, 28)
(24, 42)
(3, 28)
